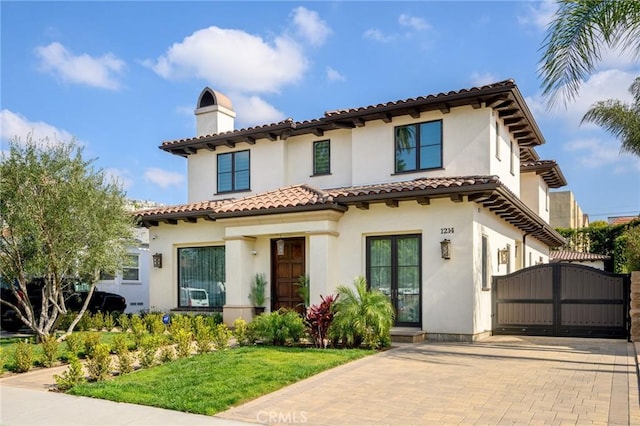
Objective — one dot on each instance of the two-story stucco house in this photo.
(428, 198)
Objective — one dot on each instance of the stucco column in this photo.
(323, 252)
(239, 271)
(635, 306)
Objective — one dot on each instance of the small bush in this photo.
(148, 350)
(97, 321)
(167, 354)
(99, 364)
(183, 339)
(65, 321)
(85, 322)
(139, 329)
(74, 343)
(279, 327)
(221, 336)
(72, 376)
(180, 322)
(125, 361)
(23, 356)
(154, 324)
(109, 321)
(202, 335)
(50, 348)
(318, 320)
(241, 332)
(3, 355)
(124, 322)
(91, 340)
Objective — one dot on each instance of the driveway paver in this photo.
(500, 380)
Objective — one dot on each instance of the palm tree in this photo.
(575, 39)
(620, 119)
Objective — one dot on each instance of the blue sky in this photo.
(121, 77)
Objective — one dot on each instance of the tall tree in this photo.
(61, 220)
(620, 119)
(576, 37)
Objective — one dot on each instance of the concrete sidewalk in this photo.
(500, 380)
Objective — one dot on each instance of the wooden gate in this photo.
(561, 299)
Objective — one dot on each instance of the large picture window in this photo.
(233, 171)
(201, 277)
(418, 146)
(321, 158)
(394, 267)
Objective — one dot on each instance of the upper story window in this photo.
(418, 146)
(512, 158)
(497, 140)
(322, 157)
(233, 171)
(131, 268)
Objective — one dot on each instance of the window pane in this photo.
(224, 182)
(130, 274)
(201, 277)
(430, 133)
(430, 157)
(408, 250)
(224, 163)
(321, 157)
(242, 180)
(380, 265)
(405, 145)
(242, 160)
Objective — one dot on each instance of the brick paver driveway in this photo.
(501, 380)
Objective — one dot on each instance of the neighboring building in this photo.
(428, 198)
(621, 220)
(587, 259)
(133, 281)
(565, 211)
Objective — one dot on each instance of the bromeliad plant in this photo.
(318, 320)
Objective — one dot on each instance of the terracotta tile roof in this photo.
(282, 198)
(575, 256)
(503, 96)
(548, 169)
(202, 206)
(622, 220)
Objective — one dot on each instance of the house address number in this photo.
(446, 230)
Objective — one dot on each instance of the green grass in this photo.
(211, 383)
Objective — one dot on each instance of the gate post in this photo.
(635, 306)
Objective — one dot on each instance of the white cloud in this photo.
(101, 72)
(377, 35)
(609, 84)
(481, 79)
(596, 153)
(163, 178)
(539, 14)
(413, 22)
(14, 125)
(119, 176)
(310, 26)
(253, 110)
(333, 75)
(233, 60)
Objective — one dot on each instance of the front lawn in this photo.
(213, 382)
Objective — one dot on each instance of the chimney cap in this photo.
(209, 97)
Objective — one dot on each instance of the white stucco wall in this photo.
(534, 194)
(136, 293)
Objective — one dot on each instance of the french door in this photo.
(394, 268)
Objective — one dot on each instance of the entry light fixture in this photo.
(503, 256)
(445, 248)
(280, 247)
(157, 260)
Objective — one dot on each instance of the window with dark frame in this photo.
(485, 263)
(233, 171)
(322, 157)
(497, 140)
(418, 146)
(201, 277)
(394, 267)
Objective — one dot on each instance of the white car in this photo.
(194, 297)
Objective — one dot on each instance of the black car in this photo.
(100, 302)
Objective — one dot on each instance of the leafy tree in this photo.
(61, 221)
(576, 37)
(620, 119)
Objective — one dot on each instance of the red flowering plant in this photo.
(318, 320)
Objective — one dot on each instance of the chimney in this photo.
(214, 113)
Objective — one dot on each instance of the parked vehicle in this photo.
(194, 297)
(100, 302)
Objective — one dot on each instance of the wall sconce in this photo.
(280, 247)
(157, 260)
(503, 256)
(253, 252)
(445, 249)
